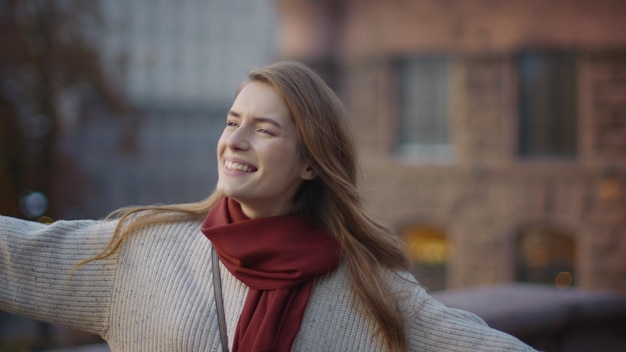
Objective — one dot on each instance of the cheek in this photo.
(286, 159)
(221, 144)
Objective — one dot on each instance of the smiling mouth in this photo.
(230, 165)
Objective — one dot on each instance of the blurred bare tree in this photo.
(46, 58)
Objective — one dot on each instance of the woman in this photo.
(302, 267)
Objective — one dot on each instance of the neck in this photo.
(255, 212)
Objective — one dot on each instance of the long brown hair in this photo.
(332, 199)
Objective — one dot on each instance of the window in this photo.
(422, 129)
(547, 104)
(545, 255)
(428, 250)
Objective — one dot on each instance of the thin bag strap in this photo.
(219, 299)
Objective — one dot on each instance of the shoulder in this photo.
(430, 325)
(152, 252)
(175, 235)
(157, 252)
(433, 326)
(180, 227)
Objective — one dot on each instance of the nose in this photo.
(238, 139)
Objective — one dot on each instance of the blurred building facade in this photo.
(492, 133)
(185, 54)
(179, 63)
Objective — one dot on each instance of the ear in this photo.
(308, 173)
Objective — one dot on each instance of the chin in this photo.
(228, 192)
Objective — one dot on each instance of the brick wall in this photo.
(486, 193)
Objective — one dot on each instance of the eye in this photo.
(231, 123)
(265, 131)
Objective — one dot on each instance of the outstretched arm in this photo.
(35, 264)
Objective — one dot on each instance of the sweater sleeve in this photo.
(436, 327)
(35, 264)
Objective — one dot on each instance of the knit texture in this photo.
(156, 294)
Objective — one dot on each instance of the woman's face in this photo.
(258, 161)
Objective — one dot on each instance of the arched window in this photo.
(545, 255)
(429, 250)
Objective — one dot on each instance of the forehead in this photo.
(262, 100)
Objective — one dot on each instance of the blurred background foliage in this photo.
(48, 65)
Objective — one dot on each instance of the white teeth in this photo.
(236, 166)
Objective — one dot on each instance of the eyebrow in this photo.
(257, 118)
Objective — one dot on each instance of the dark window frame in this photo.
(547, 104)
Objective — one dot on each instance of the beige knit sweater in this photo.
(156, 294)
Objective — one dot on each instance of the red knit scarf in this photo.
(277, 258)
